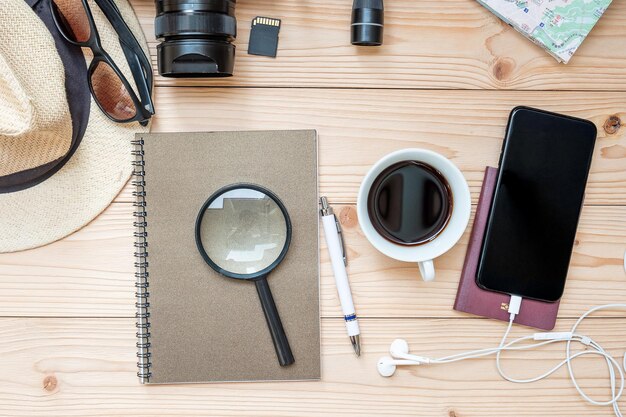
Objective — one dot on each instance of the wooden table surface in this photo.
(445, 80)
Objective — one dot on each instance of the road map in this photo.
(558, 26)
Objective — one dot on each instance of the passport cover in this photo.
(470, 298)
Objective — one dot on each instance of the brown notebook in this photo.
(195, 325)
(470, 298)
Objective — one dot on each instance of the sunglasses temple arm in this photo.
(137, 54)
(281, 344)
(143, 80)
(126, 36)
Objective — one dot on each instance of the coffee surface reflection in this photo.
(410, 203)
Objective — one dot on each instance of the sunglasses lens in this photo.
(72, 19)
(111, 94)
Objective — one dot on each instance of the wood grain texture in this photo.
(90, 273)
(356, 127)
(67, 331)
(441, 44)
(86, 367)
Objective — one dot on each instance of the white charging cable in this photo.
(399, 351)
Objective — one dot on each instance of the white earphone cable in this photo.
(612, 364)
(616, 370)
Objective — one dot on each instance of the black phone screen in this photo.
(537, 202)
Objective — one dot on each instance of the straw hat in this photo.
(61, 163)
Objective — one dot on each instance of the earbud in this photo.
(387, 365)
(398, 348)
(399, 351)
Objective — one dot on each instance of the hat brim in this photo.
(89, 181)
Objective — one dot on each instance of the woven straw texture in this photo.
(36, 126)
(101, 166)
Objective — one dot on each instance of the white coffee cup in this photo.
(425, 253)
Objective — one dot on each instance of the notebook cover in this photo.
(470, 298)
(205, 327)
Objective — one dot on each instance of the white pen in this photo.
(337, 252)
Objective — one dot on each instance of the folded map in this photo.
(558, 26)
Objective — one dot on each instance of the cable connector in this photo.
(514, 306)
(553, 336)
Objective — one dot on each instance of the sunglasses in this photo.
(109, 87)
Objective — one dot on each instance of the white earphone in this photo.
(399, 351)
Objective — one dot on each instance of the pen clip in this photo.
(343, 243)
(326, 210)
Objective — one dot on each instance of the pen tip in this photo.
(356, 344)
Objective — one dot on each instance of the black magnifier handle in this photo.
(281, 344)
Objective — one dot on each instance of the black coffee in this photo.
(409, 203)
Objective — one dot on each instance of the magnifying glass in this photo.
(243, 232)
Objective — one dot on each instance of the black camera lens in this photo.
(196, 37)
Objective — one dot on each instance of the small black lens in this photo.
(196, 37)
(368, 22)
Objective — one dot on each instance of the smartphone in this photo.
(543, 170)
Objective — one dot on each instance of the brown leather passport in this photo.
(470, 298)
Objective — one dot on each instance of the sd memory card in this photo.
(264, 36)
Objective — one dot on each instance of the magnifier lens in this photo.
(243, 231)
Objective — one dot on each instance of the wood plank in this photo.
(439, 44)
(90, 273)
(356, 128)
(78, 367)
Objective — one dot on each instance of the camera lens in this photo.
(196, 37)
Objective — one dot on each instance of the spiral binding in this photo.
(141, 265)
